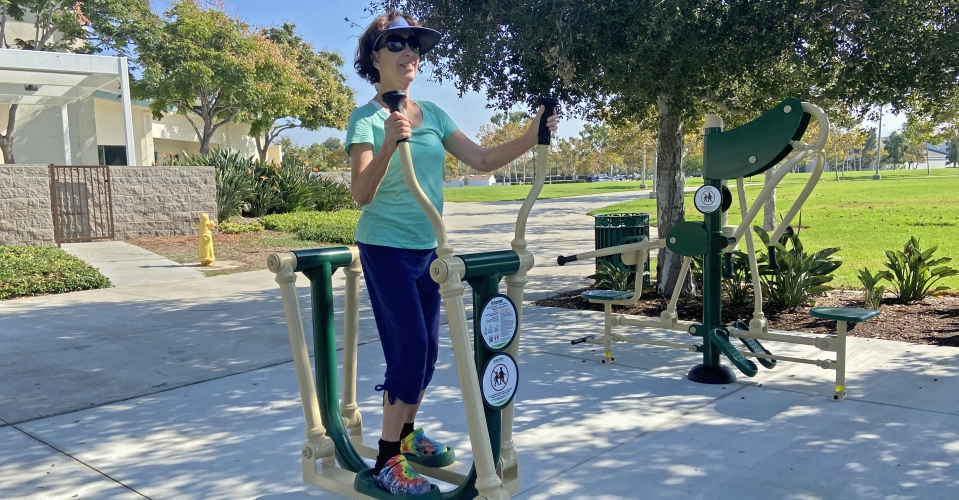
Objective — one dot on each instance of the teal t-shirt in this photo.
(393, 218)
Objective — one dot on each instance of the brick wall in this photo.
(161, 201)
(147, 201)
(26, 217)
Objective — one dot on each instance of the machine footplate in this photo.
(721, 339)
(365, 483)
(754, 346)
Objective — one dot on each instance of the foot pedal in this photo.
(754, 346)
(720, 337)
(436, 461)
(365, 483)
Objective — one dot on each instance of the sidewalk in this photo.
(185, 390)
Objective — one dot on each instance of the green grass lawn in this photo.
(862, 216)
(477, 194)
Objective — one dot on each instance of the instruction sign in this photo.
(498, 322)
(708, 199)
(499, 379)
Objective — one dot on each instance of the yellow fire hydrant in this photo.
(206, 240)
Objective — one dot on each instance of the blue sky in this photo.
(321, 22)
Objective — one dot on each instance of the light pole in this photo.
(876, 176)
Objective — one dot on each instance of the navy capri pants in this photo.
(406, 306)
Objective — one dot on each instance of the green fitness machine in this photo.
(742, 152)
(333, 454)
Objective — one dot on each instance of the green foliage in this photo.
(311, 94)
(738, 289)
(330, 196)
(610, 277)
(238, 228)
(323, 227)
(914, 271)
(871, 285)
(800, 276)
(28, 270)
(896, 146)
(952, 156)
(233, 179)
(69, 26)
(257, 189)
(211, 68)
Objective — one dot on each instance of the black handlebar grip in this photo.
(773, 263)
(562, 260)
(729, 266)
(550, 103)
(396, 99)
(580, 341)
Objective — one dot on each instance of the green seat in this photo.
(607, 295)
(848, 314)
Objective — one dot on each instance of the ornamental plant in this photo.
(800, 275)
(871, 284)
(915, 272)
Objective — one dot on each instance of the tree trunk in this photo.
(6, 139)
(261, 148)
(769, 207)
(669, 186)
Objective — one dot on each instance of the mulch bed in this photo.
(933, 321)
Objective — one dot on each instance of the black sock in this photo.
(388, 450)
(408, 429)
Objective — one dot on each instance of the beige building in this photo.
(71, 112)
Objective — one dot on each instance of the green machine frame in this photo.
(732, 155)
(334, 451)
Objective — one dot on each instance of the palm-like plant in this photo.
(800, 275)
(915, 272)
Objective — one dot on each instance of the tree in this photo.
(67, 26)
(684, 58)
(308, 92)
(503, 127)
(952, 156)
(896, 146)
(207, 66)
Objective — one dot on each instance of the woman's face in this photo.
(396, 68)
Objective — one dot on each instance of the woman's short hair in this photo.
(363, 63)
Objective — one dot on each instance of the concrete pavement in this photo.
(184, 390)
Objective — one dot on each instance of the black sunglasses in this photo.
(395, 43)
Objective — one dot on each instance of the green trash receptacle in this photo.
(619, 229)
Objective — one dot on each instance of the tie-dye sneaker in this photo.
(399, 478)
(422, 450)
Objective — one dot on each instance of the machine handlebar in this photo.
(562, 259)
(396, 100)
(550, 104)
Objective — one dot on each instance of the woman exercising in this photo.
(395, 238)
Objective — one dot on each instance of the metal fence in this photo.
(82, 203)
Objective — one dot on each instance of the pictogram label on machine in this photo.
(498, 381)
(708, 199)
(498, 322)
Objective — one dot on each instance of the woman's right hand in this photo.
(397, 128)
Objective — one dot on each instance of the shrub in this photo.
(324, 227)
(610, 277)
(874, 291)
(914, 271)
(233, 179)
(238, 228)
(40, 270)
(330, 196)
(737, 289)
(800, 275)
